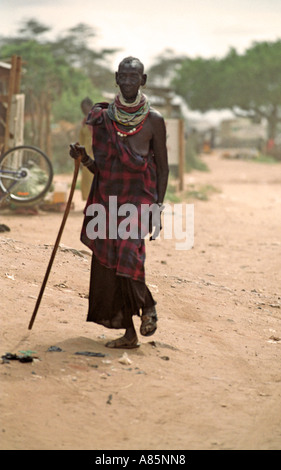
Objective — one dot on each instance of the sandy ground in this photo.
(210, 377)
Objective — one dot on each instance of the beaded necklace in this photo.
(131, 115)
(133, 131)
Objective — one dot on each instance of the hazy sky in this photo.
(146, 28)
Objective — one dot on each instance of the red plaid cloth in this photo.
(129, 177)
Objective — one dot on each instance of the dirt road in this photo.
(210, 378)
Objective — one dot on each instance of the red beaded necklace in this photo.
(133, 131)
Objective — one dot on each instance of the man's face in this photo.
(129, 78)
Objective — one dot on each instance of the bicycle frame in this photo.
(12, 175)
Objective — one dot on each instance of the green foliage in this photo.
(192, 153)
(32, 27)
(194, 162)
(198, 81)
(267, 159)
(164, 67)
(49, 71)
(172, 192)
(248, 84)
(56, 76)
(43, 74)
(202, 192)
(67, 107)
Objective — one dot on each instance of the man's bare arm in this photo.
(159, 147)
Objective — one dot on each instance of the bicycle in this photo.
(26, 175)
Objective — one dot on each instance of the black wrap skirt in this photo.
(114, 299)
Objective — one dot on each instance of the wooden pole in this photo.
(66, 212)
(11, 89)
(18, 75)
(181, 154)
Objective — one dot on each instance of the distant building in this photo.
(241, 132)
(165, 101)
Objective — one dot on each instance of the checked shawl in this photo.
(129, 177)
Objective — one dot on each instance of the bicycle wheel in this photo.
(26, 174)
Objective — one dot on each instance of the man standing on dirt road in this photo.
(130, 166)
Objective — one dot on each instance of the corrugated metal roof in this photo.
(4, 65)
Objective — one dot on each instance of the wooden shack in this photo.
(11, 104)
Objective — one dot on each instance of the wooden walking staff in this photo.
(66, 212)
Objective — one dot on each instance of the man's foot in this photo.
(148, 322)
(124, 343)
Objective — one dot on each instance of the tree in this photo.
(40, 82)
(31, 28)
(199, 82)
(257, 90)
(44, 80)
(164, 68)
(74, 47)
(55, 76)
(249, 84)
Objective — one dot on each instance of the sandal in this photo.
(148, 322)
(123, 343)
